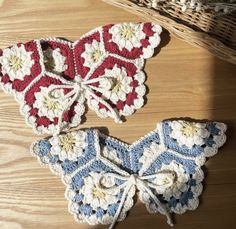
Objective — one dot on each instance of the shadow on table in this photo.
(223, 107)
(224, 93)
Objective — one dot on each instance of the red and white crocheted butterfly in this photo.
(51, 78)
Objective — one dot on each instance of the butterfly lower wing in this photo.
(42, 112)
(89, 203)
(165, 160)
(179, 197)
(122, 88)
(78, 159)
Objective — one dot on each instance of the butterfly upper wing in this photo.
(24, 63)
(208, 138)
(108, 41)
(116, 53)
(179, 148)
(80, 159)
(134, 41)
(24, 55)
(115, 151)
(58, 57)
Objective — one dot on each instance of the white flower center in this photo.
(15, 63)
(67, 142)
(50, 104)
(98, 193)
(189, 130)
(127, 32)
(97, 55)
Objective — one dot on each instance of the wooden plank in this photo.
(183, 81)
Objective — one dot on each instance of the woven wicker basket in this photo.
(205, 28)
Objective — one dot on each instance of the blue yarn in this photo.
(192, 182)
(122, 152)
(44, 148)
(209, 142)
(77, 182)
(78, 198)
(69, 166)
(172, 144)
(138, 149)
(99, 212)
(54, 159)
(86, 209)
(185, 198)
(112, 209)
(166, 159)
(172, 202)
(213, 129)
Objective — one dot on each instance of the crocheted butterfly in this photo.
(51, 78)
(102, 174)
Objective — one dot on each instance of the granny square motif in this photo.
(102, 174)
(51, 78)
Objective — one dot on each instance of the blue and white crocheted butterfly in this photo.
(102, 174)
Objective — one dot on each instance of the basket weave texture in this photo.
(205, 27)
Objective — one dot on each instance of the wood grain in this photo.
(183, 81)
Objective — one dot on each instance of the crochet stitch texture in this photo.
(102, 174)
(51, 78)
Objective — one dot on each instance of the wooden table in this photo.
(183, 81)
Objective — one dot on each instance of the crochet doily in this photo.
(51, 78)
(102, 174)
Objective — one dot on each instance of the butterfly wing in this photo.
(176, 148)
(113, 56)
(79, 158)
(28, 70)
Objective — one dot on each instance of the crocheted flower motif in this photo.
(68, 146)
(127, 35)
(96, 196)
(93, 53)
(104, 176)
(51, 78)
(49, 106)
(16, 62)
(189, 134)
